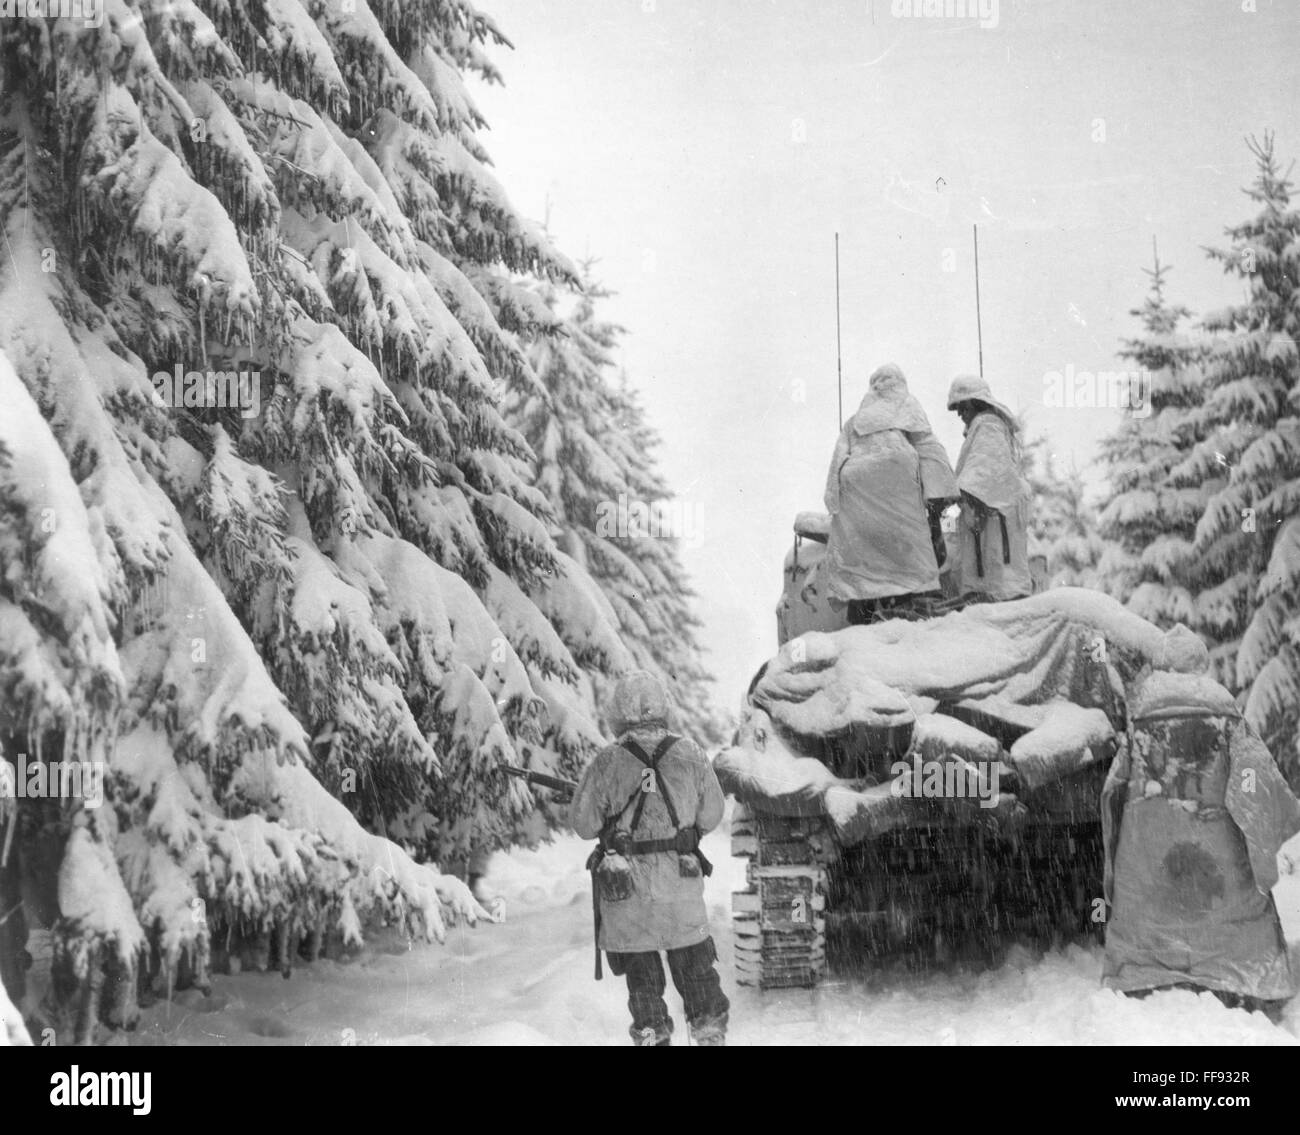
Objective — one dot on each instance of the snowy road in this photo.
(529, 981)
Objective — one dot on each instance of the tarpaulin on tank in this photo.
(1061, 645)
(887, 463)
(1051, 666)
(762, 769)
(1193, 813)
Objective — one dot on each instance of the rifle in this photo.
(566, 787)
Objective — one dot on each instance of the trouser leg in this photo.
(701, 989)
(645, 994)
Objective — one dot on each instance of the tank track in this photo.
(922, 896)
(779, 918)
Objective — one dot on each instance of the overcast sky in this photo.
(707, 151)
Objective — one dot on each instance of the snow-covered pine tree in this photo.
(1149, 522)
(330, 611)
(1249, 534)
(1062, 524)
(596, 459)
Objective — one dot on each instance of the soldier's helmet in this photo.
(973, 388)
(640, 701)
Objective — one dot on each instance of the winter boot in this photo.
(710, 1032)
(648, 1037)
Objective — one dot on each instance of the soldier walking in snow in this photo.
(994, 523)
(888, 482)
(648, 798)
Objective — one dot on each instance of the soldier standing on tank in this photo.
(648, 798)
(888, 484)
(993, 560)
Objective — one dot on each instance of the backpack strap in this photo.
(638, 794)
(652, 762)
(685, 841)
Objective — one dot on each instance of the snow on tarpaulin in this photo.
(763, 767)
(815, 688)
(1050, 667)
(1070, 738)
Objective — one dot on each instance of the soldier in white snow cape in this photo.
(889, 480)
(1193, 813)
(993, 539)
(649, 797)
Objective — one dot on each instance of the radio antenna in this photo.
(979, 329)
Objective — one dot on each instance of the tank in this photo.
(925, 788)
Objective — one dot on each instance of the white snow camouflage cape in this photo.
(987, 470)
(886, 465)
(1193, 813)
(666, 910)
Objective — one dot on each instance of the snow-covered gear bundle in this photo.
(993, 527)
(886, 467)
(1194, 811)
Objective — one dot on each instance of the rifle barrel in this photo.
(541, 779)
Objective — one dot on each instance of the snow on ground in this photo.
(529, 982)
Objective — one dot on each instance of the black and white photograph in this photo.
(575, 523)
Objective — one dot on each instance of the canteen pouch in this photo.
(614, 877)
(689, 862)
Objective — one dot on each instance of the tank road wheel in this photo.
(779, 918)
